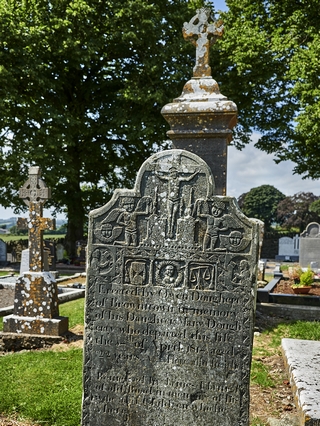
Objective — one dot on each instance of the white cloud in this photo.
(251, 167)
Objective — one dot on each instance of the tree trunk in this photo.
(74, 227)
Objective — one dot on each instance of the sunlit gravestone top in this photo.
(170, 301)
(202, 33)
(201, 118)
(36, 308)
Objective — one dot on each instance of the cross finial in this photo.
(34, 193)
(34, 190)
(202, 34)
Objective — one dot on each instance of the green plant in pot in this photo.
(305, 282)
(295, 274)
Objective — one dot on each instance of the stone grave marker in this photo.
(24, 264)
(60, 252)
(49, 262)
(170, 301)
(81, 247)
(310, 245)
(201, 119)
(3, 253)
(289, 248)
(50, 254)
(36, 308)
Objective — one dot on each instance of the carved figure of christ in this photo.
(173, 198)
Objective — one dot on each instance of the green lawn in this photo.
(46, 386)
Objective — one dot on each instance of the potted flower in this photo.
(305, 282)
(295, 273)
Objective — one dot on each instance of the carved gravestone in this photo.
(310, 245)
(170, 301)
(36, 309)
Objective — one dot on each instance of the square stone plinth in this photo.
(35, 325)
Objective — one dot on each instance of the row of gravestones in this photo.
(289, 249)
(305, 249)
(53, 253)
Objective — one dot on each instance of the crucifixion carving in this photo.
(35, 193)
(202, 34)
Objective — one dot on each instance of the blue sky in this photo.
(219, 5)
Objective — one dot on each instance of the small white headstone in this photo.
(24, 265)
(60, 251)
(289, 246)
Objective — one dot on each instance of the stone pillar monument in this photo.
(202, 119)
(36, 308)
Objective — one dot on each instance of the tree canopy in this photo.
(261, 203)
(268, 63)
(296, 211)
(82, 83)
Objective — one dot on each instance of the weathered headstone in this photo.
(50, 255)
(310, 245)
(170, 301)
(81, 246)
(60, 252)
(289, 248)
(3, 253)
(36, 296)
(48, 263)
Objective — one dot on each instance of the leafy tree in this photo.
(315, 207)
(271, 51)
(82, 83)
(261, 203)
(14, 230)
(295, 211)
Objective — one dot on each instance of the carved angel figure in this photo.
(124, 219)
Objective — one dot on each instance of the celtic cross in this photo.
(35, 193)
(202, 34)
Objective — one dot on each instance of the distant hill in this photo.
(8, 223)
(12, 221)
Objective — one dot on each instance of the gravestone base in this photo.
(36, 306)
(35, 325)
(17, 342)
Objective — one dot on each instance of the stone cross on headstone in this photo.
(35, 193)
(201, 119)
(202, 34)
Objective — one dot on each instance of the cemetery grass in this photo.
(8, 238)
(45, 386)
